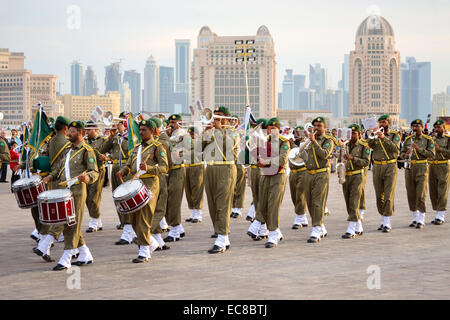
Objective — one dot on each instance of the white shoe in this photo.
(174, 232)
(323, 231)
(253, 230)
(154, 244)
(163, 224)
(66, 258)
(85, 256)
(263, 232)
(251, 212)
(127, 233)
(350, 233)
(45, 244)
(144, 251)
(359, 228)
(220, 241)
(316, 232)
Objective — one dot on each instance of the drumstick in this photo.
(148, 157)
(64, 183)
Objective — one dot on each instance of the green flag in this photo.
(134, 138)
(26, 136)
(41, 131)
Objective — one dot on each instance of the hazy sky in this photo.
(305, 32)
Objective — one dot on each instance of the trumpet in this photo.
(207, 117)
(298, 155)
(340, 167)
(373, 135)
(110, 120)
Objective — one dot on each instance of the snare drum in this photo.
(57, 207)
(131, 196)
(27, 190)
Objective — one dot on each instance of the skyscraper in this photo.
(345, 85)
(217, 79)
(113, 77)
(76, 79)
(151, 86)
(182, 70)
(318, 82)
(416, 89)
(374, 71)
(90, 82)
(288, 90)
(133, 79)
(299, 83)
(166, 89)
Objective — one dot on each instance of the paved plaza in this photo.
(412, 264)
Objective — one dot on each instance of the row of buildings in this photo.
(235, 71)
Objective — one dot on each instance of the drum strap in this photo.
(68, 154)
(59, 152)
(67, 168)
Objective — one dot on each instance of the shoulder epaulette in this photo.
(394, 131)
(427, 136)
(363, 142)
(283, 139)
(156, 143)
(87, 147)
(408, 137)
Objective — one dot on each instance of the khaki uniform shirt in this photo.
(425, 151)
(319, 153)
(361, 155)
(387, 148)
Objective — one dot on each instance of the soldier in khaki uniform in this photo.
(416, 149)
(258, 228)
(177, 175)
(297, 178)
(195, 173)
(4, 151)
(161, 203)
(386, 149)
(255, 174)
(77, 169)
(356, 157)
(153, 162)
(117, 146)
(58, 146)
(318, 177)
(239, 189)
(439, 177)
(273, 180)
(94, 197)
(220, 152)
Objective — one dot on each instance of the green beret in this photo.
(148, 123)
(355, 127)
(77, 124)
(439, 123)
(417, 121)
(223, 109)
(319, 119)
(175, 117)
(263, 121)
(193, 129)
(89, 124)
(157, 121)
(63, 120)
(52, 120)
(166, 122)
(384, 117)
(273, 122)
(123, 114)
(235, 116)
(299, 128)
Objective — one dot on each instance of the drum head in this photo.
(127, 188)
(24, 182)
(57, 194)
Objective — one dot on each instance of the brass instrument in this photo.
(340, 167)
(411, 149)
(373, 135)
(298, 155)
(207, 117)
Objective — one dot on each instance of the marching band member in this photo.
(195, 173)
(156, 164)
(117, 146)
(258, 228)
(417, 148)
(356, 157)
(439, 177)
(318, 177)
(58, 146)
(175, 184)
(220, 152)
(386, 149)
(297, 177)
(239, 190)
(273, 180)
(161, 203)
(80, 163)
(94, 196)
(254, 176)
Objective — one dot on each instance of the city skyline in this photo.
(317, 33)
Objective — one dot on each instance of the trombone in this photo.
(207, 117)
